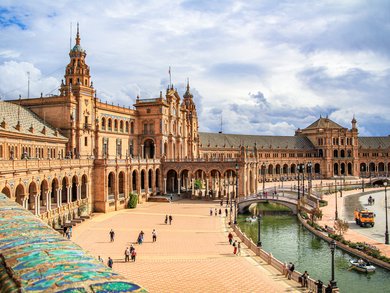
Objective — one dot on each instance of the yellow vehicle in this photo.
(364, 218)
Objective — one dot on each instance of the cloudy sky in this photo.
(265, 67)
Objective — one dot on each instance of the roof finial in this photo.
(78, 35)
(188, 84)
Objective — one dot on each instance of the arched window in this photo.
(109, 124)
(127, 127)
(103, 123)
(121, 126)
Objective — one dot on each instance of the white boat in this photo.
(251, 219)
(362, 266)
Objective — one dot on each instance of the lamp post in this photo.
(387, 229)
(332, 245)
(309, 165)
(236, 197)
(362, 168)
(258, 230)
(336, 215)
(263, 169)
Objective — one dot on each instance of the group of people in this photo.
(236, 244)
(289, 269)
(168, 219)
(218, 212)
(67, 232)
(130, 252)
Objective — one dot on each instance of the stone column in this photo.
(48, 200)
(78, 191)
(142, 151)
(165, 185)
(193, 186)
(68, 194)
(59, 197)
(37, 202)
(207, 186)
(178, 185)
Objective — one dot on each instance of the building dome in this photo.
(78, 48)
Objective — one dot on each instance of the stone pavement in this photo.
(352, 234)
(191, 255)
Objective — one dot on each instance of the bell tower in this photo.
(192, 123)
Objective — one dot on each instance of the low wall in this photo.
(271, 260)
(344, 247)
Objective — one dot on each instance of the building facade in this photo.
(70, 154)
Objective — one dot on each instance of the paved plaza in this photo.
(191, 255)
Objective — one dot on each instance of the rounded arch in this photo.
(349, 170)
(277, 169)
(150, 178)
(185, 179)
(335, 153)
(285, 169)
(115, 125)
(109, 124)
(121, 129)
(381, 167)
(157, 178)
(32, 192)
(54, 191)
(127, 127)
(336, 169)
(84, 186)
(363, 168)
(111, 185)
(342, 169)
(132, 127)
(270, 169)
(142, 180)
(64, 191)
(44, 191)
(103, 123)
(134, 179)
(149, 148)
(121, 184)
(317, 168)
(371, 168)
(171, 180)
(342, 154)
(293, 169)
(6, 191)
(19, 194)
(74, 192)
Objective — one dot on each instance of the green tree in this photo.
(315, 214)
(341, 226)
(198, 184)
(133, 200)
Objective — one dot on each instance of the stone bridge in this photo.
(288, 199)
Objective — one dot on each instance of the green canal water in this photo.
(288, 240)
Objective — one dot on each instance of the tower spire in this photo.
(78, 35)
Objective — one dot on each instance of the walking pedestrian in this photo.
(67, 234)
(100, 259)
(235, 247)
(211, 211)
(219, 212)
(133, 255)
(154, 235)
(230, 238)
(170, 219)
(127, 254)
(304, 278)
(216, 212)
(112, 235)
(239, 248)
(226, 213)
(166, 219)
(291, 270)
(221, 202)
(110, 262)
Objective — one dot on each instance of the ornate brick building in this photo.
(70, 154)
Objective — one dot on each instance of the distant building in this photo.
(67, 155)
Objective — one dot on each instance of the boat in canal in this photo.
(362, 266)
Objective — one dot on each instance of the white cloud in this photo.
(329, 56)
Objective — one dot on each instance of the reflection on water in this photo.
(289, 241)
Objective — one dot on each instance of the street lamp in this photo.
(258, 230)
(336, 215)
(362, 169)
(309, 165)
(236, 197)
(332, 245)
(263, 169)
(387, 229)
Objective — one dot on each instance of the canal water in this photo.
(288, 240)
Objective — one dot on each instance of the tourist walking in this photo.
(219, 212)
(290, 271)
(170, 219)
(133, 255)
(166, 219)
(235, 247)
(112, 235)
(226, 213)
(110, 262)
(154, 235)
(211, 211)
(239, 248)
(100, 259)
(127, 254)
(304, 278)
(230, 238)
